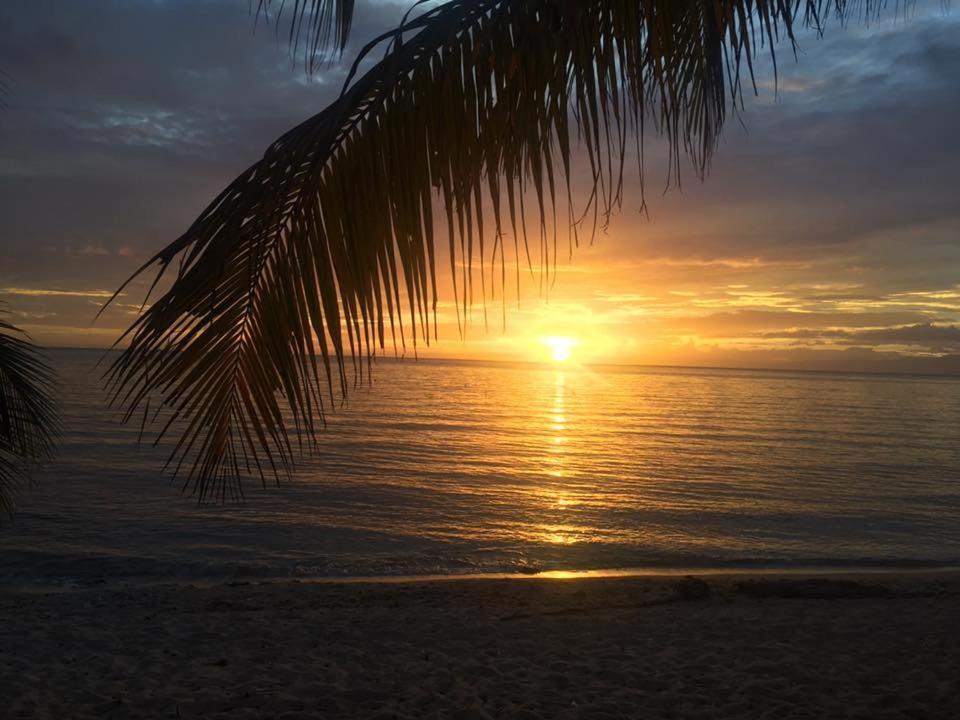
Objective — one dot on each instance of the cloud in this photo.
(772, 321)
(929, 335)
(45, 292)
(100, 251)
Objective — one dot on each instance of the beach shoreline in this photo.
(727, 645)
(126, 582)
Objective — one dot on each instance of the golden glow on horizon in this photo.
(561, 346)
(731, 312)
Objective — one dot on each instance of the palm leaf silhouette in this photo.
(320, 27)
(28, 417)
(325, 250)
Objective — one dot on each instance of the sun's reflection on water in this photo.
(558, 427)
(558, 498)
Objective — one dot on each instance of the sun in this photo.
(560, 347)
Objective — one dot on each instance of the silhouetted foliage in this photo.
(325, 250)
(28, 416)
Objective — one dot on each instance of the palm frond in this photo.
(320, 27)
(325, 250)
(28, 415)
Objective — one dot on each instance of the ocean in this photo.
(446, 468)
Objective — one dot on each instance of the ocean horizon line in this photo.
(576, 367)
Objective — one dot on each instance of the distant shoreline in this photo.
(905, 570)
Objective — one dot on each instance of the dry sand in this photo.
(531, 648)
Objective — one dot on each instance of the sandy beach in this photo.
(875, 646)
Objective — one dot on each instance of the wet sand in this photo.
(876, 646)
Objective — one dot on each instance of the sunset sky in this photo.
(826, 236)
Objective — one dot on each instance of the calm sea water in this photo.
(458, 468)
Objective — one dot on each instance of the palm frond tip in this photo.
(327, 246)
(320, 28)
